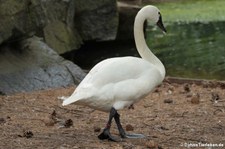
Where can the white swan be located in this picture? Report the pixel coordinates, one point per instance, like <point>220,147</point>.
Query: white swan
<point>116,83</point>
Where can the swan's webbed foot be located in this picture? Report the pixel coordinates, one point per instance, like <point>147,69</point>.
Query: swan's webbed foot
<point>123,134</point>
<point>134,136</point>
<point>107,135</point>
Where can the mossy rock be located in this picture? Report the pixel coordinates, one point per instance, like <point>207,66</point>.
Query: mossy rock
<point>61,38</point>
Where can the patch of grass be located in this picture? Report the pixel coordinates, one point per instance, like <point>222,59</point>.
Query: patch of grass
<point>192,11</point>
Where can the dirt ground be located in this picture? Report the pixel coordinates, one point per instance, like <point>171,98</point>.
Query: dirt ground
<point>175,115</point>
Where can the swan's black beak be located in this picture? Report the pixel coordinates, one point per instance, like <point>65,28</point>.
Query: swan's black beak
<point>160,24</point>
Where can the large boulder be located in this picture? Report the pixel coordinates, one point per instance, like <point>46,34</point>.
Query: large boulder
<point>51,19</point>
<point>29,64</point>
<point>96,20</point>
<point>64,24</point>
<point>35,66</point>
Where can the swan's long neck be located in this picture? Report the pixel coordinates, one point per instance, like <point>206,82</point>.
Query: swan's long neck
<point>141,45</point>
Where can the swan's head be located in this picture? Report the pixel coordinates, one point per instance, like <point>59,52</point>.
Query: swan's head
<point>153,14</point>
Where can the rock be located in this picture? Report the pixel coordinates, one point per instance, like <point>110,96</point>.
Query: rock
<point>68,123</point>
<point>49,122</point>
<point>63,24</point>
<point>187,88</point>
<point>2,120</point>
<point>168,101</point>
<point>97,129</point>
<point>96,20</point>
<point>195,99</point>
<point>35,66</point>
<point>151,144</point>
<point>215,97</point>
<point>53,20</point>
<point>129,127</point>
<point>189,95</point>
<point>61,38</point>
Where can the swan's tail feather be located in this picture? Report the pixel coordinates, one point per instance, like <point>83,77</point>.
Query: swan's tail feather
<point>74,98</point>
<point>70,100</point>
<point>67,102</point>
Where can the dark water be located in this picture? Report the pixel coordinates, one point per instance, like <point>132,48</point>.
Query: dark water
<point>194,50</point>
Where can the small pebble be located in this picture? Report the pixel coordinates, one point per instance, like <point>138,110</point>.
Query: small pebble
<point>2,120</point>
<point>49,122</point>
<point>187,88</point>
<point>169,91</point>
<point>189,95</point>
<point>97,129</point>
<point>215,97</point>
<point>152,145</point>
<point>129,127</point>
<point>68,123</point>
<point>195,99</point>
<point>168,101</point>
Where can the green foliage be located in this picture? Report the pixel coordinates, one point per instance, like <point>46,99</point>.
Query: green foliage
<point>194,50</point>
<point>193,10</point>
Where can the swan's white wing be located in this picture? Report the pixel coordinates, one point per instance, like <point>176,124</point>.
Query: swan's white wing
<point>116,82</point>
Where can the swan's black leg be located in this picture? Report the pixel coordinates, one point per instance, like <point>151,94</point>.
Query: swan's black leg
<point>106,132</point>
<point>121,130</point>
